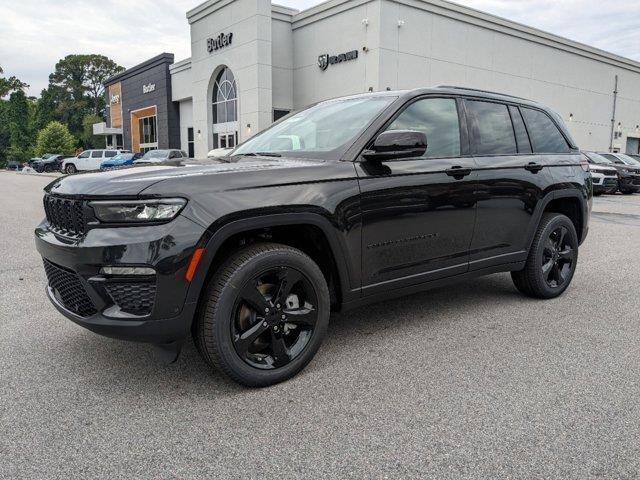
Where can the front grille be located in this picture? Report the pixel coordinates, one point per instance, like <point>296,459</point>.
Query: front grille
<point>65,215</point>
<point>68,290</point>
<point>610,182</point>
<point>136,298</point>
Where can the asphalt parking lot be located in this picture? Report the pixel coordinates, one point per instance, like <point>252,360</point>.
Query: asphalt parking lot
<point>468,381</point>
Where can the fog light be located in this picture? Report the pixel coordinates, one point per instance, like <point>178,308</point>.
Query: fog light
<point>127,271</point>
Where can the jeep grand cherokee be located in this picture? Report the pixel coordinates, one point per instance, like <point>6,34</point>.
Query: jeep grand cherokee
<point>350,201</point>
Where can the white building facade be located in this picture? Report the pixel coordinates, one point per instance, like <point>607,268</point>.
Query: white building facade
<point>252,62</point>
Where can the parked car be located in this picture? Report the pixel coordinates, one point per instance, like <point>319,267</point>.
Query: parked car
<point>628,171</point>
<point>88,160</point>
<point>603,174</point>
<point>385,194</point>
<point>219,153</point>
<point>162,157</point>
<point>46,156</point>
<point>14,165</point>
<point>50,164</point>
<point>120,160</point>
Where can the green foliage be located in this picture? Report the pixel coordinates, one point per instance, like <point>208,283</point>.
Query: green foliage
<point>82,77</point>
<point>75,96</point>
<point>9,85</point>
<point>18,122</point>
<point>55,138</point>
<point>88,139</point>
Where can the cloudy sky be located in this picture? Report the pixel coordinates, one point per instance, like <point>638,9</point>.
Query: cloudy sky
<point>34,34</point>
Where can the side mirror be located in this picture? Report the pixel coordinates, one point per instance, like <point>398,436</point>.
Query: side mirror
<point>394,144</point>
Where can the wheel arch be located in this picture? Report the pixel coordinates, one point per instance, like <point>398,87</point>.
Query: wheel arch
<point>227,235</point>
<point>568,202</point>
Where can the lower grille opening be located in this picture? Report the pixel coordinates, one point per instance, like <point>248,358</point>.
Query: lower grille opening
<point>68,290</point>
<point>136,298</point>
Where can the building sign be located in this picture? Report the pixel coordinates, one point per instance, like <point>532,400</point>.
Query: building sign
<point>216,43</point>
<point>114,99</point>
<point>325,60</point>
<point>148,88</point>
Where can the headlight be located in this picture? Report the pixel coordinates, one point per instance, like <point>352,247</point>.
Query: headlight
<point>134,211</point>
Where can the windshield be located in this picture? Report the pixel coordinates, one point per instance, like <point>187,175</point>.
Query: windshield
<point>156,154</point>
<point>628,160</point>
<point>323,131</point>
<point>596,158</point>
<point>123,156</point>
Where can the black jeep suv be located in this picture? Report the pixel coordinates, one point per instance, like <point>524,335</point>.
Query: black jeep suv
<point>347,202</point>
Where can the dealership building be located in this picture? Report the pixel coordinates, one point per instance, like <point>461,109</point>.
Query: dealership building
<point>253,61</point>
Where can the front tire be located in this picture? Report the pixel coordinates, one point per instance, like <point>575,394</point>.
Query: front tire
<point>552,259</point>
<point>70,169</point>
<point>264,316</point>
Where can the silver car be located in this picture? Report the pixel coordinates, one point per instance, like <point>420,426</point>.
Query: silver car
<point>162,157</point>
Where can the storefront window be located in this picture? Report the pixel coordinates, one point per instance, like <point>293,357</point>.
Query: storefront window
<point>148,133</point>
<point>225,110</point>
<point>225,98</point>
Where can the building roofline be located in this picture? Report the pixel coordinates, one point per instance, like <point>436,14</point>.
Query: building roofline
<point>141,67</point>
<point>180,66</point>
<point>479,18</point>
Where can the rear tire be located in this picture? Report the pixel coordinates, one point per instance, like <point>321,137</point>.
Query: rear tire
<point>264,315</point>
<point>48,168</point>
<point>70,169</point>
<point>552,258</point>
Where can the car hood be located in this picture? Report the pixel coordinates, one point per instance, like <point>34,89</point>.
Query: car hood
<point>132,181</point>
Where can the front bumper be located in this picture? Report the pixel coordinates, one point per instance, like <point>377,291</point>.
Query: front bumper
<point>630,183</point>
<point>604,184</point>
<point>113,305</point>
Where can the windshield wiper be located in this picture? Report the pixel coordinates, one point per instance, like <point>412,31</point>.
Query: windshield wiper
<point>261,154</point>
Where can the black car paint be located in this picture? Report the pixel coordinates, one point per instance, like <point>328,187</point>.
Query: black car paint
<point>393,227</point>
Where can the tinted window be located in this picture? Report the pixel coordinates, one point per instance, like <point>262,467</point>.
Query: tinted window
<point>96,154</point>
<point>110,153</point>
<point>613,158</point>
<point>438,119</point>
<point>493,132</point>
<point>522,139</point>
<point>545,136</point>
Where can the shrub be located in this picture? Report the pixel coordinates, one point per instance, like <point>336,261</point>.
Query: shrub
<point>55,138</point>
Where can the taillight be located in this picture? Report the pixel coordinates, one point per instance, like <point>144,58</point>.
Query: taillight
<point>584,163</point>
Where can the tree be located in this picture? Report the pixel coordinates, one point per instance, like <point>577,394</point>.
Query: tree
<point>17,116</point>
<point>89,140</point>
<point>82,77</point>
<point>11,84</point>
<point>55,138</point>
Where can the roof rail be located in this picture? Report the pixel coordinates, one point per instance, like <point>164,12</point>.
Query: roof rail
<point>481,91</point>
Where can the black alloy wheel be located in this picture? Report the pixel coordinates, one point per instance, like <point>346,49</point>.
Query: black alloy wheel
<point>558,257</point>
<point>552,259</point>
<point>263,315</point>
<point>274,318</point>
<point>48,168</point>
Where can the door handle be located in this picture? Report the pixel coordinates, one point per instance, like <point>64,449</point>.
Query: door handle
<point>457,172</point>
<point>533,167</point>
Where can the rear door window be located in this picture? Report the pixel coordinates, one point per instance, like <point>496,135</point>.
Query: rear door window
<point>492,129</point>
<point>96,154</point>
<point>545,136</point>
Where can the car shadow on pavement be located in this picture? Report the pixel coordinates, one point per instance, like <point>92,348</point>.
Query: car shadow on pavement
<point>129,365</point>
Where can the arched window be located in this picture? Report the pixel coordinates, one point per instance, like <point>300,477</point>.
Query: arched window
<point>225,98</point>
